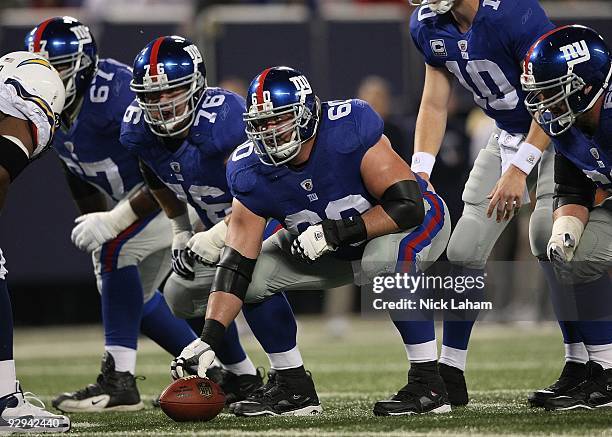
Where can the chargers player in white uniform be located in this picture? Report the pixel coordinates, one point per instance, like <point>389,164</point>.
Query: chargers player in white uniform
<point>327,173</point>
<point>31,99</point>
<point>482,43</point>
<point>131,257</point>
<point>567,73</point>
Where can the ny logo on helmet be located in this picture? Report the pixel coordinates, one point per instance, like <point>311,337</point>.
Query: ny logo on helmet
<point>82,34</point>
<point>302,85</point>
<point>576,53</point>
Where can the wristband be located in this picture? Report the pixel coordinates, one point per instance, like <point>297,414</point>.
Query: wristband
<point>213,333</point>
<point>422,162</point>
<point>122,215</point>
<point>181,223</point>
<point>526,157</point>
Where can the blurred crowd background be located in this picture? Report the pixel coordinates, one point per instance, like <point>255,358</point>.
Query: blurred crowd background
<point>359,48</point>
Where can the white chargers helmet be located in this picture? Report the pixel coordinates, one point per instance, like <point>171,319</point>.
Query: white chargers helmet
<point>438,6</point>
<point>30,88</point>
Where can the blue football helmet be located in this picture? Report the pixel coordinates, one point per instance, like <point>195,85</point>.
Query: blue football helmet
<point>437,6</point>
<point>169,64</point>
<point>71,48</point>
<point>282,114</point>
<point>565,72</point>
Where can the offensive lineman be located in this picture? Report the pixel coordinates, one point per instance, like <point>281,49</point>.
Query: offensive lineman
<point>131,256</point>
<point>184,132</point>
<point>482,43</point>
<point>329,175</point>
<point>31,99</point>
<point>567,73</point>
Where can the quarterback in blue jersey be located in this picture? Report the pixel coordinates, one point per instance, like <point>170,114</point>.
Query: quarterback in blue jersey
<point>184,132</point>
<point>482,43</point>
<point>31,100</point>
<point>567,74</point>
<point>326,172</point>
<point>131,256</point>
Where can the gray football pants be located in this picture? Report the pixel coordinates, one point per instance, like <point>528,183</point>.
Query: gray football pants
<point>475,234</point>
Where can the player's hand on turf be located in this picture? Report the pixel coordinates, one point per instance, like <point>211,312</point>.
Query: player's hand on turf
<point>196,358</point>
<point>93,230</point>
<point>507,194</point>
<point>182,262</point>
<point>310,244</point>
<point>205,247</point>
<point>561,247</point>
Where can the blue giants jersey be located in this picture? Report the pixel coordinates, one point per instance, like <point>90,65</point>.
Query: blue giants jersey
<point>91,147</point>
<point>329,185</point>
<point>486,59</point>
<point>592,155</point>
<point>196,170</point>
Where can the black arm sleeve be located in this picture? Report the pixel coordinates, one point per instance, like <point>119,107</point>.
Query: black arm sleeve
<point>572,186</point>
<point>78,187</point>
<point>12,158</point>
<point>150,178</point>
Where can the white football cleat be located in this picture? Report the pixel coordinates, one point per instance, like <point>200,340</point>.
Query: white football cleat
<point>18,415</point>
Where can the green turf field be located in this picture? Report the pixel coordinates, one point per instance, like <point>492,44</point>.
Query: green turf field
<point>505,363</point>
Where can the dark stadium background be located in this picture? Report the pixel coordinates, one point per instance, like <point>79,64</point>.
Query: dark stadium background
<point>336,46</point>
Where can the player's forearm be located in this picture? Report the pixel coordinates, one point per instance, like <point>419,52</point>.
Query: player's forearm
<point>377,222</point>
<point>578,211</point>
<point>143,203</point>
<point>95,202</point>
<point>168,201</point>
<point>430,127</point>
<point>5,182</point>
<point>530,150</point>
<point>223,307</point>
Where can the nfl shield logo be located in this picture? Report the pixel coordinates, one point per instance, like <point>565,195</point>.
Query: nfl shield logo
<point>463,45</point>
<point>176,167</point>
<point>306,184</point>
<point>205,389</point>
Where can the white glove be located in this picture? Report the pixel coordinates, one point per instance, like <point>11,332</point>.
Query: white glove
<point>566,233</point>
<point>206,246</point>
<point>195,359</point>
<point>95,229</point>
<point>310,244</point>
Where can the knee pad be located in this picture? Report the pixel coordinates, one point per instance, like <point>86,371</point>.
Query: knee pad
<point>540,227</point>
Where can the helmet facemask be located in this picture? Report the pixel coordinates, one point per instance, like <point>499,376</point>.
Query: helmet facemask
<point>175,116</point>
<point>437,6</point>
<point>281,142</point>
<point>69,68</point>
<point>555,104</point>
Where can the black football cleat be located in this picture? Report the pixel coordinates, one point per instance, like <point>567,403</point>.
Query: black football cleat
<point>257,394</point>
<point>594,392</point>
<point>454,381</point>
<point>424,393</point>
<point>288,393</point>
<point>238,387</point>
<point>571,376</point>
<point>113,391</point>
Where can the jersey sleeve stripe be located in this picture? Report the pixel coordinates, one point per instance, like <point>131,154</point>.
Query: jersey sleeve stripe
<point>153,58</point>
<point>262,79</point>
<point>39,32</point>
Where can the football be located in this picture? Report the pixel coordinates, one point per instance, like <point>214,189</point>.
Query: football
<point>192,399</point>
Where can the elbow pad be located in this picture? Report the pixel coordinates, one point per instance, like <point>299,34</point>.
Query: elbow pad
<point>234,273</point>
<point>403,202</point>
<point>573,195</point>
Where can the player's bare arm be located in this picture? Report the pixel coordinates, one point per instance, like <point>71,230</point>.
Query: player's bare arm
<point>232,278</point>
<point>574,196</point>
<point>507,194</point>
<point>382,169</point>
<point>431,121</point>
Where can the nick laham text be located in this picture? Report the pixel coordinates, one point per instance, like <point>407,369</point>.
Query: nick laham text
<point>431,304</point>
